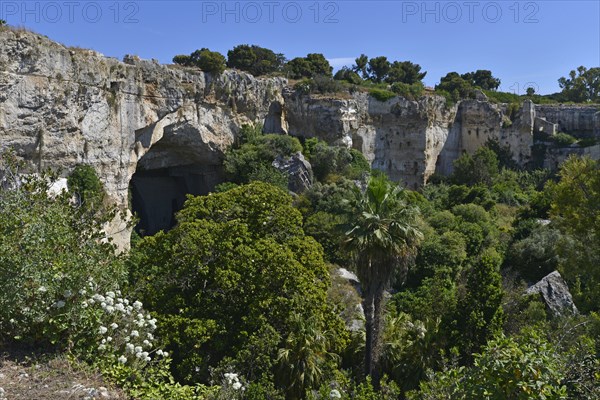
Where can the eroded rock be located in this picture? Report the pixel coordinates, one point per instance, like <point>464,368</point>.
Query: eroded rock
<point>554,292</point>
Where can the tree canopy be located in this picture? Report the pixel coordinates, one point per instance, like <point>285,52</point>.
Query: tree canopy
<point>206,60</point>
<point>581,85</point>
<point>255,59</point>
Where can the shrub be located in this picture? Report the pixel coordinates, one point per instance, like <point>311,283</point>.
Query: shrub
<point>411,92</point>
<point>253,159</point>
<point>84,183</point>
<point>562,139</point>
<point>382,94</point>
<point>49,248</point>
<point>587,142</point>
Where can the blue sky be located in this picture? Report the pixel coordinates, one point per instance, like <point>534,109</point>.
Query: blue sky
<point>524,43</point>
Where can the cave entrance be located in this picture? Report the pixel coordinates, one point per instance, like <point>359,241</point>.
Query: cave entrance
<point>157,194</point>
<point>178,164</point>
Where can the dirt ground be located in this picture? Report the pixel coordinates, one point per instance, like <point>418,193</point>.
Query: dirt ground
<point>30,377</point>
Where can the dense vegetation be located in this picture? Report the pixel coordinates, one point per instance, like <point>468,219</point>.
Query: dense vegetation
<point>243,297</point>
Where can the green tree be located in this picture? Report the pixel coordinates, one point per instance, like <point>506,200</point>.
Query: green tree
<point>581,85</point>
<point>299,67</point>
<point>480,310</point>
<point>378,68</point>
<point>361,66</point>
<point>209,61</point>
<point>348,75</point>
<point>575,210</point>
<point>85,184</point>
<point>236,262</point>
<point>482,167</point>
<point>253,159</point>
<point>182,59</point>
<point>2,22</point>
<point>383,235</point>
<point>308,67</point>
<point>305,358</point>
<point>254,59</point>
<point>405,72</point>
<point>455,85</point>
<point>482,78</point>
<point>206,60</point>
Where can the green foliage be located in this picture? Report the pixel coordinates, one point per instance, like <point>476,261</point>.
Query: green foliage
<point>535,256</point>
<point>502,97</point>
<point>382,94</point>
<point>206,60</point>
<point>482,167</point>
<point>84,183</point>
<point>480,312</point>
<point>409,91</point>
<point>405,72</point>
<point>2,23</point>
<point>383,235</point>
<point>320,84</point>
<point>305,357</point>
<point>530,91</point>
<point>236,263</point>
<point>378,68</point>
<point>482,78</point>
<point>459,87</point>
<point>562,139</point>
<point>252,160</point>
<point>308,67</point>
<point>408,349</point>
<point>361,66</point>
<point>575,200</point>
<point>348,75</point>
<point>506,369</point>
<point>455,87</point>
<point>49,249</point>
<point>335,160</point>
<point>582,85</point>
<point>503,154</point>
<point>254,59</point>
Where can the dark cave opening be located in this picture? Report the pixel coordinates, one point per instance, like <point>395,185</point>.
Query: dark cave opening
<point>157,194</point>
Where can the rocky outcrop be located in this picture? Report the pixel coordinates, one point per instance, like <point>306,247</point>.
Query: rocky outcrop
<point>554,291</point>
<point>399,136</point>
<point>61,106</point>
<point>298,171</point>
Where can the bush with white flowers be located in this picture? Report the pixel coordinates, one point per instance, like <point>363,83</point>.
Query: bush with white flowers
<point>48,249</point>
<point>119,328</point>
<point>232,388</point>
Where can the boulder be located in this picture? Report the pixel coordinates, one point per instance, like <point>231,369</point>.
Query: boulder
<point>298,170</point>
<point>554,292</point>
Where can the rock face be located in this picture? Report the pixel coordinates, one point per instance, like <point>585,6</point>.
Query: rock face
<point>555,293</point>
<point>298,170</point>
<point>155,133</point>
<point>61,106</point>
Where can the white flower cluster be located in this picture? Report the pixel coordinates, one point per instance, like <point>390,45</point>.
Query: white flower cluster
<point>335,394</point>
<point>234,381</point>
<point>125,330</point>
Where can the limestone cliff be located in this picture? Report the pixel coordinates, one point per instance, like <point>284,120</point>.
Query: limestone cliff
<point>156,132</point>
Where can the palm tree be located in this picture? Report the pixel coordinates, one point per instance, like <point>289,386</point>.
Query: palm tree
<point>305,357</point>
<point>383,236</point>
